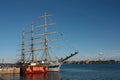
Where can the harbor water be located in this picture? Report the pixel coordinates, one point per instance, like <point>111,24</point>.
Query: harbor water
<point>73,72</point>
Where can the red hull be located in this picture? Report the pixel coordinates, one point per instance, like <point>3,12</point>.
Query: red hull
<point>36,69</point>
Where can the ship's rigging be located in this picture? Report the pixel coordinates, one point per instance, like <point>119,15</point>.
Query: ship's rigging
<point>39,41</point>
<point>34,36</point>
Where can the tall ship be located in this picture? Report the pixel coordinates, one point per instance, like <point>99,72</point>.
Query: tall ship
<point>38,41</point>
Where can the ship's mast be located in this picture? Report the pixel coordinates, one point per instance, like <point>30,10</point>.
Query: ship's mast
<point>23,47</point>
<point>46,35</point>
<point>32,40</point>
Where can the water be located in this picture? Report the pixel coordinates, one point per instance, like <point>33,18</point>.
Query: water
<point>74,72</point>
<point>91,72</point>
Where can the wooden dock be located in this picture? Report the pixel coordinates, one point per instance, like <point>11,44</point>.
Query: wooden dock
<point>9,70</point>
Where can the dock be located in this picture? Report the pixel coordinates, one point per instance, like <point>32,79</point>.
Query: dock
<point>9,69</point>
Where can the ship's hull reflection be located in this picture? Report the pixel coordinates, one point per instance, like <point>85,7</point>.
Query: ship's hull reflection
<point>42,76</point>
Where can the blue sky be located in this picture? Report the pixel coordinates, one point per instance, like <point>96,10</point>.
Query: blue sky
<point>91,26</point>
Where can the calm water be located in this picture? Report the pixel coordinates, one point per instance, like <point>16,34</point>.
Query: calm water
<point>74,72</point>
